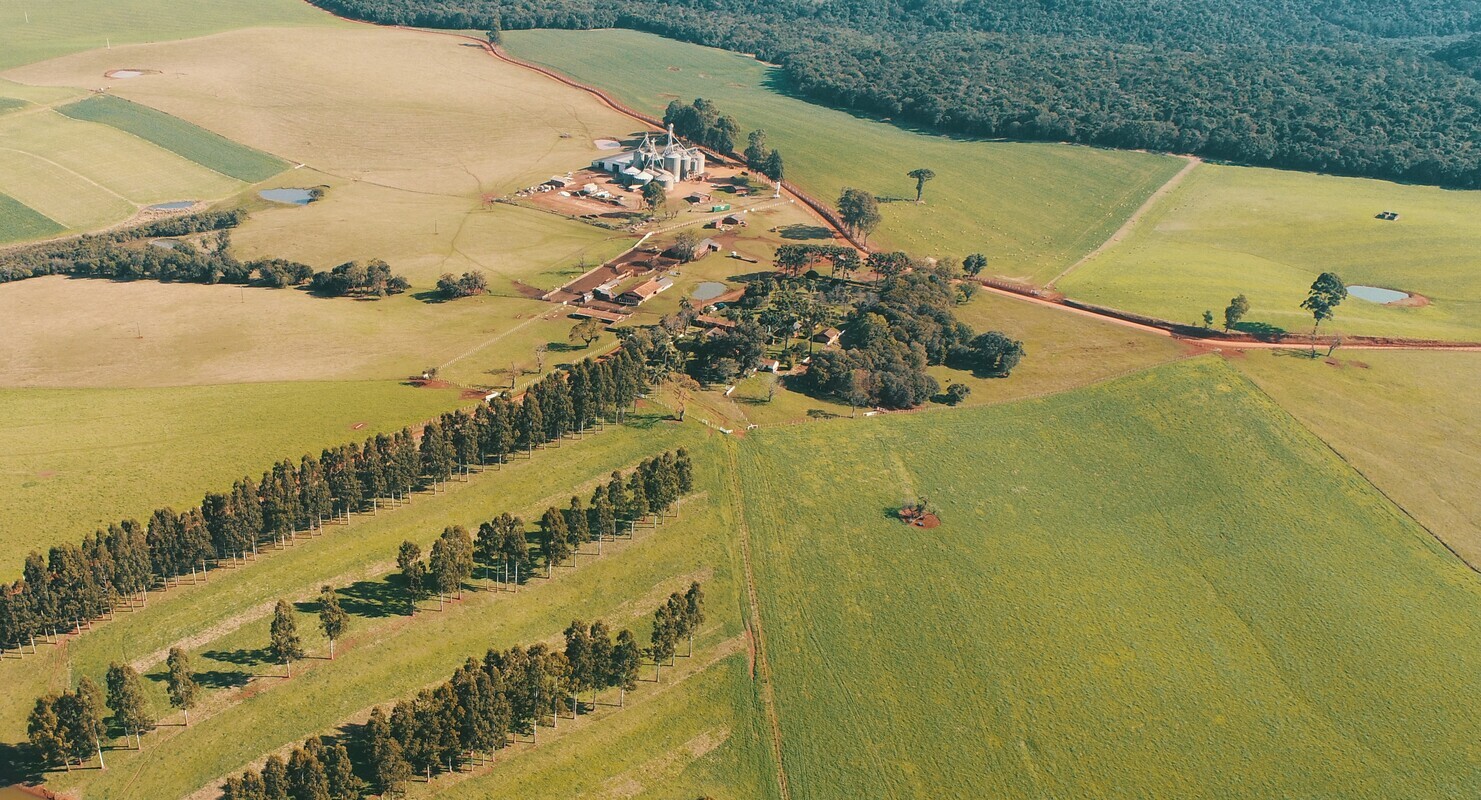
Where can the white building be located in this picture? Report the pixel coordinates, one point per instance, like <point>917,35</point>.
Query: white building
<point>647,163</point>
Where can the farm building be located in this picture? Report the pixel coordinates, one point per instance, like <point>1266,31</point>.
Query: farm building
<point>647,163</point>
<point>709,321</point>
<point>644,291</point>
<point>827,336</point>
<point>734,221</point>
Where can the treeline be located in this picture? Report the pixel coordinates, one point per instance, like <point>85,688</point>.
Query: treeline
<point>74,584</point>
<point>889,342</point>
<point>502,544</point>
<point>1345,86</point>
<point>123,255</point>
<point>475,713</point>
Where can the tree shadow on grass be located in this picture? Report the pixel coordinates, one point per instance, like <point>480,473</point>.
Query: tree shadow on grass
<point>244,657</point>
<point>804,232</point>
<point>18,764</point>
<point>373,599</point>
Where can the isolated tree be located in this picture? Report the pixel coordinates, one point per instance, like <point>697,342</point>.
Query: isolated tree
<point>128,703</point>
<point>1235,311</point>
<point>653,195</point>
<point>332,618</point>
<point>974,264</point>
<point>586,331</point>
<point>773,168</point>
<point>184,691</point>
<point>1208,319</point>
<point>283,641</point>
<point>921,176</point>
<point>1327,292</point>
<point>413,571</point>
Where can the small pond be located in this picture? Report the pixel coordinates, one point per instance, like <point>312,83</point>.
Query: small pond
<point>1375,294</point>
<point>168,244</point>
<point>125,73</point>
<point>176,205</point>
<point>294,197</point>
<point>607,144</point>
<point>709,290</point>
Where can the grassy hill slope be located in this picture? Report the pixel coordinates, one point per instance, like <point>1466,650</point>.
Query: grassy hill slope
<point>1161,586</point>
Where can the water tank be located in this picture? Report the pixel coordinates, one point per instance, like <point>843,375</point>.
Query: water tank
<point>673,163</point>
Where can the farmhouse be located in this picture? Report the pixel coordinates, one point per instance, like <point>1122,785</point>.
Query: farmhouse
<point>644,291</point>
<point>828,336</point>
<point>641,166</point>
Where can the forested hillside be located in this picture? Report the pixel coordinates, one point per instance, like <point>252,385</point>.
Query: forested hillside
<point>1359,87</point>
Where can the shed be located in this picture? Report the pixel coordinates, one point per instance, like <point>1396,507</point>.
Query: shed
<point>827,336</point>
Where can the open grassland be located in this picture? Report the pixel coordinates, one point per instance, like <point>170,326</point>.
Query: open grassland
<point>19,221</point>
<point>423,236</point>
<point>1163,586</point>
<point>1032,209</point>
<point>1267,234</point>
<point>1406,420</point>
<point>65,332</point>
<point>84,175</point>
<point>72,460</point>
<point>211,151</point>
<point>698,730</point>
<point>32,32</point>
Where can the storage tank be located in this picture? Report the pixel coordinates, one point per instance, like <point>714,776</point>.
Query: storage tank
<point>673,162</point>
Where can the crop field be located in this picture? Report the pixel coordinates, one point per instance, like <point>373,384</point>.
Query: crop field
<point>1159,586</point>
<point>10,104</point>
<point>1268,234</point>
<point>19,221</point>
<point>1032,209</point>
<point>211,151</point>
<point>1401,419</point>
<point>408,132</point>
<point>74,459</point>
<point>697,723</point>
<point>31,32</point>
<point>84,175</point>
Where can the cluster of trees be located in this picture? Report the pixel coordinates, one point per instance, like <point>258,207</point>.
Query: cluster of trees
<point>74,584</point>
<point>502,544</point>
<point>123,255</point>
<point>355,279</point>
<point>1347,86</point>
<point>702,123</point>
<point>69,727</point>
<point>890,340</point>
<point>314,771</point>
<point>467,285</point>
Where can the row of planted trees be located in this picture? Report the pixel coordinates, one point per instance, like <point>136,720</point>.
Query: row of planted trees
<point>478,712</point>
<point>74,584</point>
<point>501,547</point>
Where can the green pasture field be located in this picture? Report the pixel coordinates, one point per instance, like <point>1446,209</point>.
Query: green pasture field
<point>709,738</point>
<point>1400,418</point>
<point>1161,586</point>
<point>85,175</point>
<point>19,221</point>
<point>31,32</point>
<point>74,459</point>
<point>1033,209</point>
<point>214,152</point>
<point>1268,234</point>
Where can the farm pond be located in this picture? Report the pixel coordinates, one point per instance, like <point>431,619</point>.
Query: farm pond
<point>709,290</point>
<point>293,197</point>
<point>1377,294</point>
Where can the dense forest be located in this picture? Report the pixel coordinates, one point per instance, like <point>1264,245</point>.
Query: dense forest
<point>1359,87</point>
